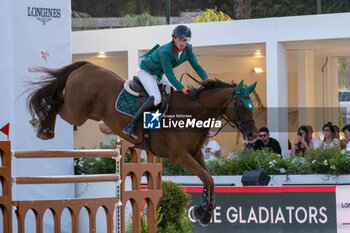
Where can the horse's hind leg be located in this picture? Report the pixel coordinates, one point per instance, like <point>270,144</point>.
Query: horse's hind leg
<point>46,126</point>
<point>204,210</point>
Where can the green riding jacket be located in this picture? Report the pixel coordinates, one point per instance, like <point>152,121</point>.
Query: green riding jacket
<point>162,59</point>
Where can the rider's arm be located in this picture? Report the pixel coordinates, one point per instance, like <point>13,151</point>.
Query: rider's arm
<point>195,65</point>
<point>168,70</point>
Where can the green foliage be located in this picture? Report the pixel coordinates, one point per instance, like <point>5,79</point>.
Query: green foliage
<point>273,8</point>
<point>324,161</point>
<point>211,15</point>
<point>171,211</point>
<point>328,161</point>
<point>144,222</point>
<point>78,15</point>
<point>342,71</point>
<point>105,165</point>
<point>86,18</point>
<point>141,20</point>
<point>173,206</point>
<point>170,169</point>
<point>259,8</point>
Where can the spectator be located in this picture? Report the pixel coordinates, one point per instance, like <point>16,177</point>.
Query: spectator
<point>337,132</point>
<point>329,139</point>
<point>266,141</point>
<point>302,142</point>
<point>315,141</point>
<point>249,144</point>
<point>345,142</point>
<point>211,149</point>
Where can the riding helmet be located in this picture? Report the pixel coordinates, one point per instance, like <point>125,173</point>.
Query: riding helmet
<point>183,32</point>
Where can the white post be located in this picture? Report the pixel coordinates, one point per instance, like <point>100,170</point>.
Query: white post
<point>331,86</point>
<point>306,88</point>
<point>133,62</point>
<point>276,92</point>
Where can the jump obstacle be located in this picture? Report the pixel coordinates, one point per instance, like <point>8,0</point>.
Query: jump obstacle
<point>152,169</point>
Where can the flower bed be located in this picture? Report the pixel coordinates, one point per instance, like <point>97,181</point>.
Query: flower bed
<point>331,161</point>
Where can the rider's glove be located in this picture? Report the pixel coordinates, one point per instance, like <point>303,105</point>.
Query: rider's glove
<point>191,93</point>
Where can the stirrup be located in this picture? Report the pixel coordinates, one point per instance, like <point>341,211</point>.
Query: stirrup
<point>130,132</point>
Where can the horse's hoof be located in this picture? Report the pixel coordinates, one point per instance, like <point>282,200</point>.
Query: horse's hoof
<point>45,136</point>
<point>205,219</point>
<point>193,215</point>
<point>197,212</point>
<point>34,122</point>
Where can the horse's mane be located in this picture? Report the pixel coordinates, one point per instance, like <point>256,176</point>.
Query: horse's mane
<point>215,83</point>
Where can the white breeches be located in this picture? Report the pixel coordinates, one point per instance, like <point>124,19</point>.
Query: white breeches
<point>150,83</point>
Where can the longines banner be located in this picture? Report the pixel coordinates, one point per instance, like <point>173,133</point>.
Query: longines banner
<point>42,39</point>
<point>343,208</point>
<point>36,35</point>
<point>272,209</point>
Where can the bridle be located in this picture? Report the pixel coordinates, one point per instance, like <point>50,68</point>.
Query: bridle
<point>233,97</point>
<point>238,124</point>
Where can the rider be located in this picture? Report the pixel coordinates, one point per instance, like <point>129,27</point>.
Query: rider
<point>157,67</point>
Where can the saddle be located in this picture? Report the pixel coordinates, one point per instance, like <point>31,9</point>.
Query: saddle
<point>135,88</point>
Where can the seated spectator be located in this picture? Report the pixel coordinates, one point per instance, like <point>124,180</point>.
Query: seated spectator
<point>329,139</point>
<point>337,132</point>
<point>265,140</point>
<point>315,141</point>
<point>345,142</point>
<point>211,149</point>
<point>250,144</point>
<point>302,142</point>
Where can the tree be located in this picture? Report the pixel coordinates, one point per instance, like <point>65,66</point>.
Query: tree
<point>211,15</point>
<point>242,9</point>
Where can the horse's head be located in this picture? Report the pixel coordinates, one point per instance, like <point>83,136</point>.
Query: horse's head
<point>242,112</point>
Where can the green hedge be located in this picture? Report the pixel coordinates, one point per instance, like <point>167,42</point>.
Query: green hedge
<point>323,161</point>
<point>173,207</point>
<point>319,161</point>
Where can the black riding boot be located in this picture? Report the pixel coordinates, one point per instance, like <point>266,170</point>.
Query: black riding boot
<point>129,130</point>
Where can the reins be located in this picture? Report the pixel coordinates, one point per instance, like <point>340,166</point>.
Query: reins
<point>190,76</point>
<point>232,97</point>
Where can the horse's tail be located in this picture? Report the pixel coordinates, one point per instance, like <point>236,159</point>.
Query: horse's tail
<point>45,101</point>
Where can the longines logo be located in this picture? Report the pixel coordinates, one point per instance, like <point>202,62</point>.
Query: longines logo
<point>44,15</point>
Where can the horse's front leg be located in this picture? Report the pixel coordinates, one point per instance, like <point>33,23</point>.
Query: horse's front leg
<point>204,210</point>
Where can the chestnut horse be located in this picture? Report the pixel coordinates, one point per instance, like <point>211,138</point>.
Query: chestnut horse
<point>82,91</point>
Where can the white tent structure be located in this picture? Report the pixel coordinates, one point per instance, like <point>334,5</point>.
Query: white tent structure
<point>298,56</point>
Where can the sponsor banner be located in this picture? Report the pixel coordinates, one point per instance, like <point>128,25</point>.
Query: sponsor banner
<point>343,208</point>
<point>6,66</point>
<point>37,36</point>
<point>270,209</point>
<point>42,39</point>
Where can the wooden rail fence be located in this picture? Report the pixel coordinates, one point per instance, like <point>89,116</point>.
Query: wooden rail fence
<point>152,170</point>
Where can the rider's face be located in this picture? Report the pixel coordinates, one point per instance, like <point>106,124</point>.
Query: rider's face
<point>180,43</point>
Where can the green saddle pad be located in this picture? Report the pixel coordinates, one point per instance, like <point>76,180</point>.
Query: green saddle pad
<point>126,103</point>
